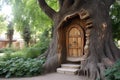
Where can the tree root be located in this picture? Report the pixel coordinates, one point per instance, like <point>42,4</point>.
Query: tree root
<point>93,71</point>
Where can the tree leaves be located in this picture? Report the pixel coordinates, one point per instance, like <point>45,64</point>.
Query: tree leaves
<point>28,12</point>
<point>3,25</point>
<point>115,16</point>
<point>20,67</point>
<point>113,73</point>
<point>53,4</point>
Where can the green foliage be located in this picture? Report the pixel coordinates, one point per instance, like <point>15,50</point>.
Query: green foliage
<point>32,52</point>
<point>44,42</point>
<point>10,32</point>
<point>53,4</point>
<point>27,35</point>
<point>28,52</point>
<point>115,16</point>
<point>113,73</point>
<point>3,24</point>
<point>24,53</point>
<point>20,67</point>
<point>28,11</point>
<point>7,50</point>
<point>38,48</point>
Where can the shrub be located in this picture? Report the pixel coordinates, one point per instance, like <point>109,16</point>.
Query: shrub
<point>113,73</point>
<point>7,50</point>
<point>21,67</point>
<point>28,52</point>
<point>42,44</point>
<point>32,52</point>
<point>7,56</point>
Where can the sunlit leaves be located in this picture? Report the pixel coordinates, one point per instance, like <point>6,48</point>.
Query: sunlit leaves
<point>29,11</point>
<point>3,23</point>
<point>53,4</point>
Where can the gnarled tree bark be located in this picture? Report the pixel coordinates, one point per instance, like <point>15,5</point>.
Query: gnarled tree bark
<point>100,51</point>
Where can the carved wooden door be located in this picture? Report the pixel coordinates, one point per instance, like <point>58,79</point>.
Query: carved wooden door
<point>75,42</point>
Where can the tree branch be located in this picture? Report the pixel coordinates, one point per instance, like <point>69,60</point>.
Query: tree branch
<point>48,10</point>
<point>109,2</point>
<point>65,4</point>
<point>78,3</point>
<point>68,3</point>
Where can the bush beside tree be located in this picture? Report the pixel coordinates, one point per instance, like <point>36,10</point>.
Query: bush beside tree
<point>113,73</point>
<point>21,67</point>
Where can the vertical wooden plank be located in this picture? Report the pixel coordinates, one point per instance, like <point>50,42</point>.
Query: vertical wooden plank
<point>79,42</point>
<point>70,52</point>
<point>75,42</point>
<point>80,52</point>
<point>74,53</point>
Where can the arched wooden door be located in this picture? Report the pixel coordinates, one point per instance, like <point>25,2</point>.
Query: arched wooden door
<point>75,43</point>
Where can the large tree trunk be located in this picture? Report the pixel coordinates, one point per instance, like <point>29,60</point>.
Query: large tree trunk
<point>100,51</point>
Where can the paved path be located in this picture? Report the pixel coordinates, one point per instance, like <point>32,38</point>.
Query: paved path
<point>52,76</point>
